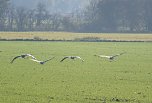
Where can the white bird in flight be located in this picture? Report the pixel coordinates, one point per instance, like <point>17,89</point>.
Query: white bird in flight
<point>23,56</point>
<point>72,57</point>
<point>112,57</point>
<point>41,62</point>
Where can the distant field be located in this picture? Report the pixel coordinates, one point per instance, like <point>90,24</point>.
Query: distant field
<point>128,79</point>
<point>74,36</point>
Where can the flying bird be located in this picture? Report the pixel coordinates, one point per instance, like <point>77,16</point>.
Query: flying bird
<point>72,57</point>
<point>41,62</point>
<point>23,56</point>
<point>112,57</point>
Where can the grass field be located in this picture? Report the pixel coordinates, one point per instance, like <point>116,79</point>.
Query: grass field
<point>74,36</point>
<point>128,79</point>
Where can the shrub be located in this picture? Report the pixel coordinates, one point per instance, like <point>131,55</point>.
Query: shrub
<point>37,38</point>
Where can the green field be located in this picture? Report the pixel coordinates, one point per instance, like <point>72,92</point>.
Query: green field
<point>128,79</point>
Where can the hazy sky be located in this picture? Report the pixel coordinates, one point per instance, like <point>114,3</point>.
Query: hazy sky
<point>53,5</point>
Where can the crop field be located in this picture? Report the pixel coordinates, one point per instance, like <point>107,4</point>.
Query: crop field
<point>74,36</point>
<point>127,79</point>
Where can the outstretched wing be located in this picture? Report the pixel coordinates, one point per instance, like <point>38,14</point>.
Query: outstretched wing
<point>118,54</point>
<point>64,58</point>
<point>97,55</point>
<point>15,58</point>
<point>115,55</point>
<point>36,60</point>
<point>48,60</point>
<point>79,58</point>
<point>29,55</point>
<point>122,53</point>
<point>104,56</point>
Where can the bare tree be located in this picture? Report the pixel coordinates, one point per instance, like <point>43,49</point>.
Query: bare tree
<point>21,17</point>
<point>31,20</point>
<point>40,15</point>
<point>56,21</point>
<point>11,18</point>
<point>3,8</point>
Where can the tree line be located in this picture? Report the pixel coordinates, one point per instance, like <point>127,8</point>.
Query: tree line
<point>98,16</point>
